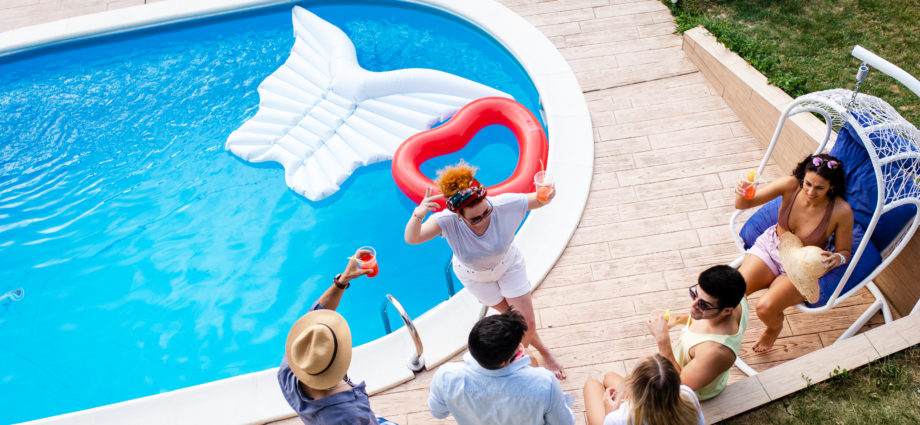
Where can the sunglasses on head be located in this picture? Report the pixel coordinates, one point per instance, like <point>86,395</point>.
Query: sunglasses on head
<point>818,161</point>
<point>479,218</point>
<point>704,305</point>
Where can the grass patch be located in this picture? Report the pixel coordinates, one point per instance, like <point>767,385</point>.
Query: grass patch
<point>804,46</point>
<point>886,391</point>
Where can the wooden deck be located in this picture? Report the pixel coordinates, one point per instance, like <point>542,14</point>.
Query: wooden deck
<point>667,152</point>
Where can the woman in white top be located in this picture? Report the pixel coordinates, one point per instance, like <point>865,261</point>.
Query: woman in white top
<point>480,231</point>
<point>651,395</point>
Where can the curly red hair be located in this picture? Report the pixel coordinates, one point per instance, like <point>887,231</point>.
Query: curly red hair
<point>454,178</point>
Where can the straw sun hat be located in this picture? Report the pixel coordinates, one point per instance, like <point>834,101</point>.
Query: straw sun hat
<point>803,264</point>
<point>318,348</point>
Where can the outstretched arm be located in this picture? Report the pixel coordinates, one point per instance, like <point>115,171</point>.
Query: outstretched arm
<point>331,298</point>
<point>765,193</point>
<point>418,230</point>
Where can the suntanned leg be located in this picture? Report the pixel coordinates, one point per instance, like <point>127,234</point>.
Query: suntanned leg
<point>594,402</point>
<point>770,306</point>
<point>524,305</point>
<point>756,274</point>
<point>501,307</point>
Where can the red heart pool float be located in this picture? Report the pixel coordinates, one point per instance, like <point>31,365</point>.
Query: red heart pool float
<point>457,132</point>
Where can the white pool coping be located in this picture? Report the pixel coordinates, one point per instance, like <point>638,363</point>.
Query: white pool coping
<point>255,398</point>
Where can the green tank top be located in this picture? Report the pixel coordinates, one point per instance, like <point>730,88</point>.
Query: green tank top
<point>689,339</point>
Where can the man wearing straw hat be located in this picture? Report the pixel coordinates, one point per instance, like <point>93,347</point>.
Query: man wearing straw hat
<point>317,355</point>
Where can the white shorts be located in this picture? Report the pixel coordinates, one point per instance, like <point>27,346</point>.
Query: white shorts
<point>508,279</point>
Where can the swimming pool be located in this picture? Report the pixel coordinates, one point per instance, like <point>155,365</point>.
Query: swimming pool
<point>154,259</point>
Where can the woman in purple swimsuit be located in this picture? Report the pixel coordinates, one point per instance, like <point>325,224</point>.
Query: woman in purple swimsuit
<point>813,209</point>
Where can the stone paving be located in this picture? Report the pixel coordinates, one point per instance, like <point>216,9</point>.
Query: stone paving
<point>667,152</point>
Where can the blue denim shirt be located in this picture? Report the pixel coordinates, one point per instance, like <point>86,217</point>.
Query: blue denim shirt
<point>346,407</point>
<point>513,395</point>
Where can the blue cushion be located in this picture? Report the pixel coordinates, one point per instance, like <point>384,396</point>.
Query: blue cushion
<point>862,191</point>
<point>870,259</point>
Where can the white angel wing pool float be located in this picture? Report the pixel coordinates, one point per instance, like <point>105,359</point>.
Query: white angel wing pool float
<point>322,116</point>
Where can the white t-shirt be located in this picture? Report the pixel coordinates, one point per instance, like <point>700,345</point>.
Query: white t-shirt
<point>621,415</point>
<point>484,252</point>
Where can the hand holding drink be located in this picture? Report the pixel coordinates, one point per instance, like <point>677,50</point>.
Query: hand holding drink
<point>367,259</point>
<point>747,185</point>
<point>545,185</point>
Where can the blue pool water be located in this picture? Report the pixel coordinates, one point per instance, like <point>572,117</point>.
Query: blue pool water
<point>150,258</point>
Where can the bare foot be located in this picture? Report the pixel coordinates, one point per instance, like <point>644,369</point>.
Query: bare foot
<point>553,365</point>
<point>766,340</point>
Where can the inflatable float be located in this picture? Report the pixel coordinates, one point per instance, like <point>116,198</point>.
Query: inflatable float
<point>322,116</point>
<point>456,133</point>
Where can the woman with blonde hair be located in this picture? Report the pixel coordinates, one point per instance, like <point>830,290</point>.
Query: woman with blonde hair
<point>651,395</point>
<point>480,230</point>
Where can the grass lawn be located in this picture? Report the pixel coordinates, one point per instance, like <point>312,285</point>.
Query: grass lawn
<point>803,46</point>
<point>886,391</point>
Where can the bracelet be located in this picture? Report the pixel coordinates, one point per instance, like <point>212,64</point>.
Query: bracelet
<point>422,218</point>
<point>843,260</point>
<point>343,287</point>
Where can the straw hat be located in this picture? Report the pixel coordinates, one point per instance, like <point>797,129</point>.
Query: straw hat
<point>803,264</point>
<point>318,348</point>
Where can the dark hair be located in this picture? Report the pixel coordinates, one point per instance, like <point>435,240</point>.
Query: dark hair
<point>724,283</point>
<point>836,176</point>
<point>494,339</point>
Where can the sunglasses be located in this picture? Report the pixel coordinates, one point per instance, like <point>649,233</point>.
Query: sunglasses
<point>704,305</point>
<point>818,161</point>
<point>479,218</point>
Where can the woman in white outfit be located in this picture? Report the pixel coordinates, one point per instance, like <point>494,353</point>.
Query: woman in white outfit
<point>651,395</point>
<point>480,231</point>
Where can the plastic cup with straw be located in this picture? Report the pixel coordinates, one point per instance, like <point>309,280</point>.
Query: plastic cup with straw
<point>544,183</point>
<point>367,259</point>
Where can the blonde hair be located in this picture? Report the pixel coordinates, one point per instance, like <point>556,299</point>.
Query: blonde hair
<point>454,178</point>
<point>655,395</point>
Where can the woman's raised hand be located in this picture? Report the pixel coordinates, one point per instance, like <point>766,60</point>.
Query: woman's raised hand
<point>740,186</point>
<point>428,204</point>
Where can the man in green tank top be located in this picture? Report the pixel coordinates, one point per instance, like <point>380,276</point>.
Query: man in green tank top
<point>708,345</point>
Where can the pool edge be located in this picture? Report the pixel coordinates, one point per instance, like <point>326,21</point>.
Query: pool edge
<point>255,397</point>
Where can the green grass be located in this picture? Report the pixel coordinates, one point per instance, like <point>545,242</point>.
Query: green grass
<point>886,391</point>
<point>803,46</point>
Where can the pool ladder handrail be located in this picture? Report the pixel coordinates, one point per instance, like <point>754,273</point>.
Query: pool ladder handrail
<point>417,361</point>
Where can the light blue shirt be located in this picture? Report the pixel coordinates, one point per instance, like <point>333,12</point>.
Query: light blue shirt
<point>513,395</point>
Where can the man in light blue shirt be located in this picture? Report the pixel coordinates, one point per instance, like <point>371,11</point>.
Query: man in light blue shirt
<point>495,384</point>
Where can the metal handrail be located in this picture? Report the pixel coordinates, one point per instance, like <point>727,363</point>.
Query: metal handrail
<point>417,361</point>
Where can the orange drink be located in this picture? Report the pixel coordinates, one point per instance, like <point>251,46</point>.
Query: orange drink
<point>749,185</point>
<point>544,184</point>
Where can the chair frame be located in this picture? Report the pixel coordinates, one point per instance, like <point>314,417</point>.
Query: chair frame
<point>831,104</point>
